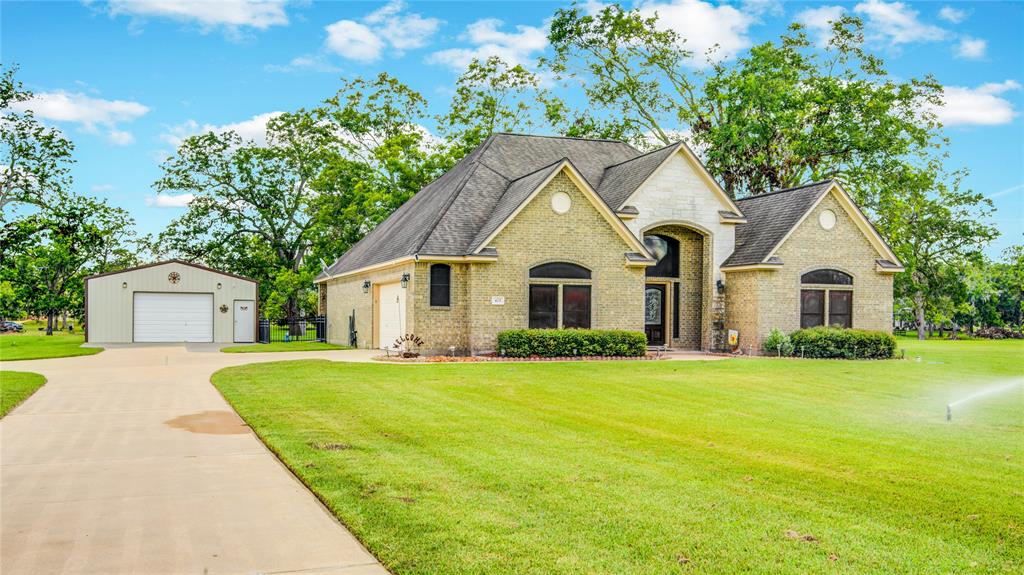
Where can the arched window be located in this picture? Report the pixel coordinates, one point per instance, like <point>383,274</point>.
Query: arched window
<point>560,270</point>
<point>440,285</point>
<point>832,306</point>
<point>558,302</point>
<point>666,252</point>
<point>834,277</point>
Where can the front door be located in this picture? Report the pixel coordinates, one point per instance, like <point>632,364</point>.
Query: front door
<point>654,314</point>
<point>245,320</point>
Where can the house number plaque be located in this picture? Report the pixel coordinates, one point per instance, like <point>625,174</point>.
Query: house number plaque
<point>497,300</point>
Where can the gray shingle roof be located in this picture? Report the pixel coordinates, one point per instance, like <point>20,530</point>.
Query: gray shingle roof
<point>769,218</point>
<point>449,215</point>
<point>621,180</point>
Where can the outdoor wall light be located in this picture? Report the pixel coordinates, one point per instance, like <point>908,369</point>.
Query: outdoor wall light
<point>720,285</point>
<point>405,281</point>
<point>219,286</point>
<point>366,286</point>
<point>124,285</point>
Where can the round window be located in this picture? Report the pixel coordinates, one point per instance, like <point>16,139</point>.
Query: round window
<point>827,219</point>
<point>561,202</point>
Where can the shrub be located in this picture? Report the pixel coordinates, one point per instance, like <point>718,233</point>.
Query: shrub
<point>998,333</point>
<point>571,343</point>
<point>778,343</point>
<point>832,342</point>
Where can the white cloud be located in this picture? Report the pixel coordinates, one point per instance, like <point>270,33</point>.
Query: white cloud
<point>254,129</point>
<point>981,106</point>
<point>897,22</point>
<point>950,14</point>
<point>487,39</point>
<point>704,25</point>
<point>170,201</point>
<point>88,112</point>
<point>120,137</point>
<point>971,48</point>
<point>305,63</point>
<point>762,7</point>
<point>402,32</point>
<point>388,26</point>
<point>818,21</point>
<point>232,15</point>
<point>1006,191</point>
<point>100,188</point>
<point>354,41</point>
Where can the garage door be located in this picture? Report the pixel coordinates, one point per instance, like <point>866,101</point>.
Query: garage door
<point>167,317</point>
<point>391,319</point>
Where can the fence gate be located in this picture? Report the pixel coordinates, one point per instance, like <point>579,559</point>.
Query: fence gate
<point>312,328</point>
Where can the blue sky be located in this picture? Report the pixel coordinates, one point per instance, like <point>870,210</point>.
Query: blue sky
<point>126,79</point>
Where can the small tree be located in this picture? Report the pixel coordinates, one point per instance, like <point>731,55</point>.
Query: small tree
<point>71,237</point>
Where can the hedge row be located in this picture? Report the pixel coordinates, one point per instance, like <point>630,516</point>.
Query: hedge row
<point>571,343</point>
<point>839,343</point>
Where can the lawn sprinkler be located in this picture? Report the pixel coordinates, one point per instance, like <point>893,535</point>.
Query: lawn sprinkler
<point>949,412</point>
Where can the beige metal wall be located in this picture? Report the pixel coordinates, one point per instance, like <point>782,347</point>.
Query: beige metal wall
<point>109,305</point>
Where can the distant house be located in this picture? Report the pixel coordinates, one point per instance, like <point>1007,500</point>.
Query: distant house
<point>548,232</point>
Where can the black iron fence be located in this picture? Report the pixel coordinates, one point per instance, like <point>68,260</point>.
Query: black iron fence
<point>312,328</point>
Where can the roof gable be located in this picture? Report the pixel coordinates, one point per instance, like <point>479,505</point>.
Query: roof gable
<point>773,217</point>
<point>447,216</point>
<point>524,190</point>
<point>168,262</point>
<point>633,174</point>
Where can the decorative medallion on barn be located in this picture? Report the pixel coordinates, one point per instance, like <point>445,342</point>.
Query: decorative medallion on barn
<point>174,277</point>
<point>224,308</point>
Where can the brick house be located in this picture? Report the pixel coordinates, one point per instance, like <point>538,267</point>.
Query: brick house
<point>548,232</point>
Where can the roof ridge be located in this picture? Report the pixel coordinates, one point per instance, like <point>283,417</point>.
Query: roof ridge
<point>540,169</point>
<point>499,174</point>
<point>793,189</point>
<point>645,154</point>
<point>458,191</point>
<point>522,135</point>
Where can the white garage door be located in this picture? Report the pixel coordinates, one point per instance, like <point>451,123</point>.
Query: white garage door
<point>391,320</point>
<point>165,317</point>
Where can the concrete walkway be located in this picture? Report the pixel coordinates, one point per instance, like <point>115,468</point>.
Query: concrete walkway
<point>130,461</point>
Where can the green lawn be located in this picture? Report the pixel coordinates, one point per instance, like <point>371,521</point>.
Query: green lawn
<point>283,346</point>
<point>16,347</point>
<point>747,465</point>
<point>16,386</point>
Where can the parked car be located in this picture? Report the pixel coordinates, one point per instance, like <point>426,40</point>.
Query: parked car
<point>6,326</point>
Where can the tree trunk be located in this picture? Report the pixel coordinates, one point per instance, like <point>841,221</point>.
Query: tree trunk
<point>50,319</point>
<point>293,315</point>
<point>919,312</point>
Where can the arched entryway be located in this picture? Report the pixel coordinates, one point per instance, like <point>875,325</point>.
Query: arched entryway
<point>676,311</point>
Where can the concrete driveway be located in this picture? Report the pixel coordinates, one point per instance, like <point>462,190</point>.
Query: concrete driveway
<point>130,461</point>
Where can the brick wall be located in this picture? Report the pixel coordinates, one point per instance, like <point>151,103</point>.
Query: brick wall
<point>441,327</point>
<point>539,235</point>
<point>345,295</point>
<point>677,193</point>
<point>694,282</point>
<point>776,296</point>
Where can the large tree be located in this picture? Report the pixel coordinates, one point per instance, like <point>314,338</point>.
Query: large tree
<point>791,112</point>
<point>787,113</point>
<point>33,158</point>
<point>383,156</point>
<point>494,96</point>
<point>632,72</point>
<point>251,212</point>
<point>935,227</point>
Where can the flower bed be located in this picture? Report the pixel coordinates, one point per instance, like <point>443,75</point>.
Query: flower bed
<point>498,358</point>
